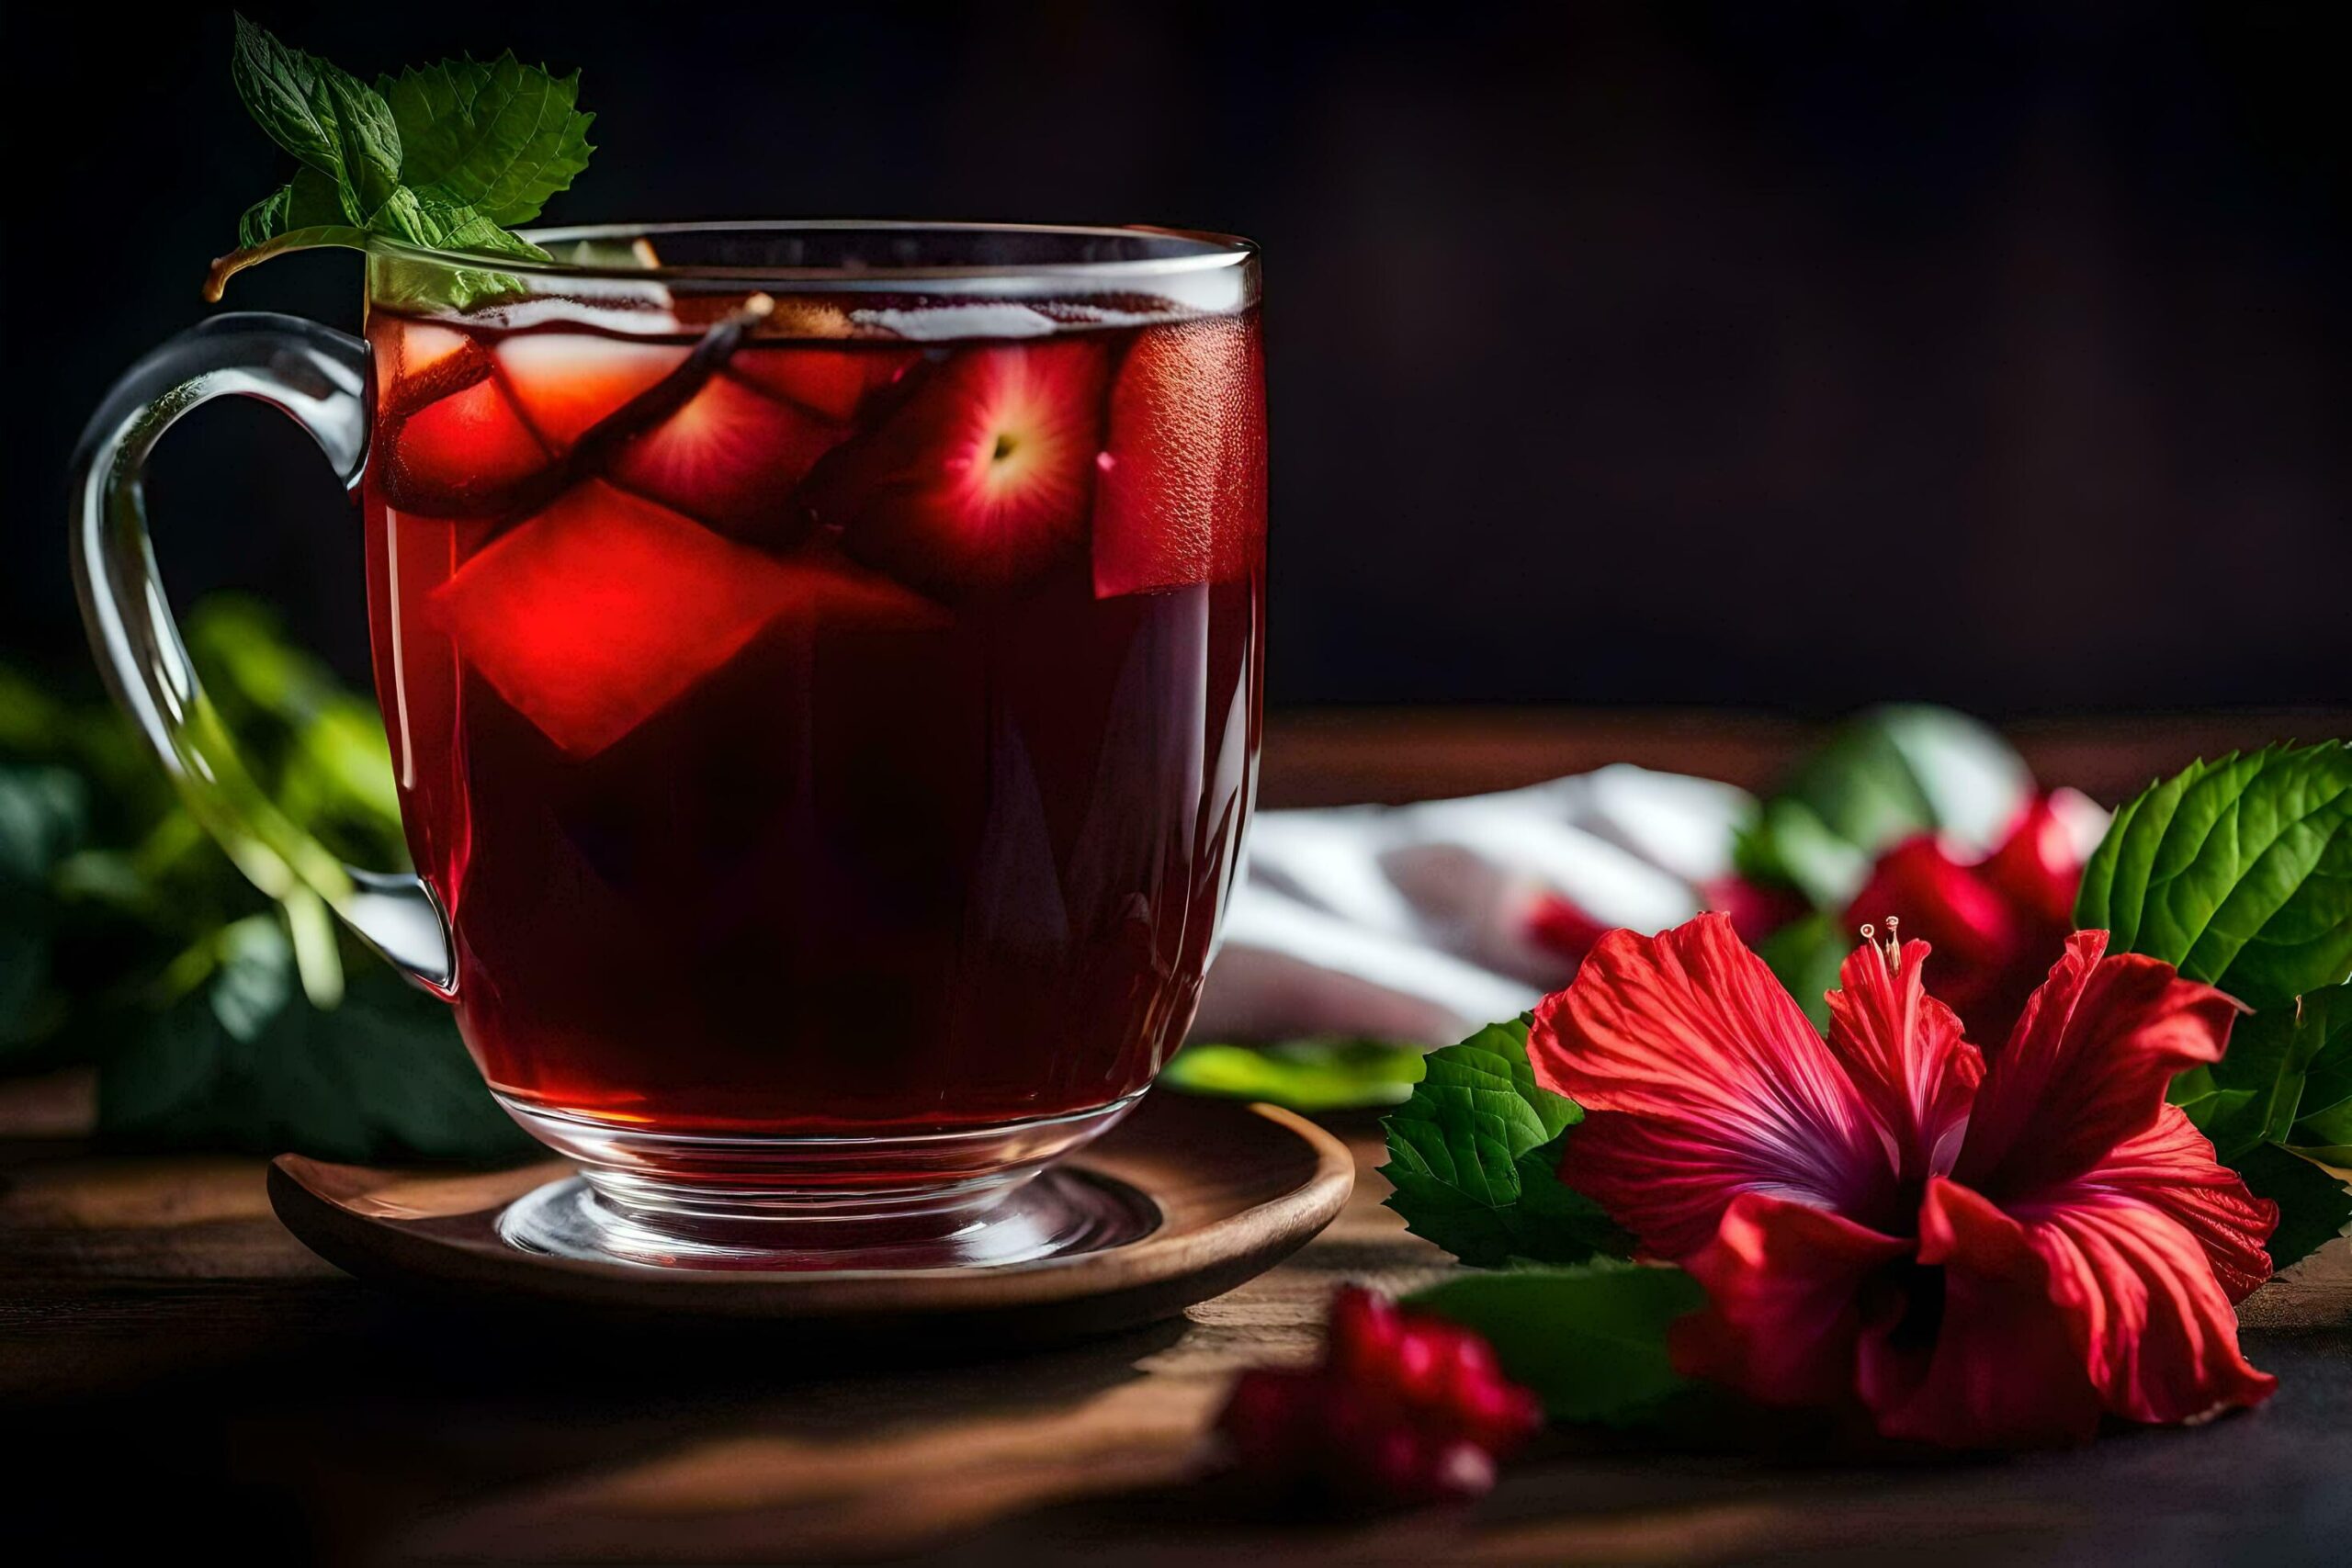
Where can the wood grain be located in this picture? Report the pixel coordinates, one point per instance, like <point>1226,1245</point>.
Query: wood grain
<point>161,1334</point>
<point>1341,756</point>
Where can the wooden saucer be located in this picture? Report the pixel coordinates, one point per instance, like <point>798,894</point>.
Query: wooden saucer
<point>1238,1189</point>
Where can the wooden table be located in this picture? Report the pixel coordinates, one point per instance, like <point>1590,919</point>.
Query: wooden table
<point>178,1372</point>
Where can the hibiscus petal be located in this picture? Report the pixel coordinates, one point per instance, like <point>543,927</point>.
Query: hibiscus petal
<point>2131,1253</point>
<point>1987,954</point>
<point>1974,1353</point>
<point>1784,1282</point>
<point>2086,1067</point>
<point>2172,1166</point>
<point>1941,901</point>
<point>1903,1051</point>
<point>1701,1080</point>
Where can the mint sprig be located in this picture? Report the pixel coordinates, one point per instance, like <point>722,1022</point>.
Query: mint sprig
<point>449,156</point>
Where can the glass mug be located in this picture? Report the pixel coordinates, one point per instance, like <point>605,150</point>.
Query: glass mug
<point>822,671</point>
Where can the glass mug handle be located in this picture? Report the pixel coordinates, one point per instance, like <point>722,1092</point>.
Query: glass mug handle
<point>318,378</point>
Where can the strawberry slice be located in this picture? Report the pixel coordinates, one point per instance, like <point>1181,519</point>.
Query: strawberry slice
<point>730,456</point>
<point>564,382</point>
<point>980,481</point>
<point>603,609</point>
<point>833,382</point>
<point>1182,493</point>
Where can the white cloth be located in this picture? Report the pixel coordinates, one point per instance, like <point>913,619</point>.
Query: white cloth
<point>1411,922</point>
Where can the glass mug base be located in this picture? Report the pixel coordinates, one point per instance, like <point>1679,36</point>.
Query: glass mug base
<point>966,1199</point>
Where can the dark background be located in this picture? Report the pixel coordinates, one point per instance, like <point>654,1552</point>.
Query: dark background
<point>1781,355</point>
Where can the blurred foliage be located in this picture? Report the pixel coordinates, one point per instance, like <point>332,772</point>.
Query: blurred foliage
<point>1880,777</point>
<point>1304,1074</point>
<point>129,942</point>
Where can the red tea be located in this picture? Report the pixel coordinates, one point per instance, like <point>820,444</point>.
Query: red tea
<point>816,737</point>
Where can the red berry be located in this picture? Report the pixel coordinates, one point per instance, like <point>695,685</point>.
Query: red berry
<point>1417,1362</point>
<point>1261,1418</point>
<point>1406,1407</point>
<point>1362,1334</point>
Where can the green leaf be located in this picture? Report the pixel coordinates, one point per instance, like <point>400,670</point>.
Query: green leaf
<point>499,139</point>
<point>2315,1203</point>
<point>1591,1340</point>
<point>243,1061</point>
<point>271,215</point>
<point>447,157</point>
<point>2259,1092</point>
<point>1554,1222</point>
<point>1473,1158</point>
<point>2323,1127</point>
<point>1789,844</point>
<point>446,226</point>
<point>428,221</point>
<point>1881,777</point>
<point>44,813</point>
<point>1305,1075</point>
<point>329,121</point>
<point>309,201</point>
<point>2238,873</point>
<point>325,237</point>
<point>1804,955</point>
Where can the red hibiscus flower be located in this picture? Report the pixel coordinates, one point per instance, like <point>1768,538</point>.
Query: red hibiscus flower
<point>1996,926</point>
<point>1971,1255</point>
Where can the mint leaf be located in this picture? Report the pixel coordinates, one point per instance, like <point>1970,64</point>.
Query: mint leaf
<point>447,157</point>
<point>1473,1158</point>
<point>500,138</point>
<point>329,121</point>
<point>1881,777</point>
<point>2238,873</point>
<point>1591,1340</point>
<point>1312,1075</point>
<point>309,201</point>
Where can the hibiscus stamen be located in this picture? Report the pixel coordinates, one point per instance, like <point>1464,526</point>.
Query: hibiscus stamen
<point>1891,951</point>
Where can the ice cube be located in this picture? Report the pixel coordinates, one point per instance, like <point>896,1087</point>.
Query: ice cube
<point>938,323</point>
<point>465,454</point>
<point>565,382</point>
<point>603,609</point>
<point>832,382</point>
